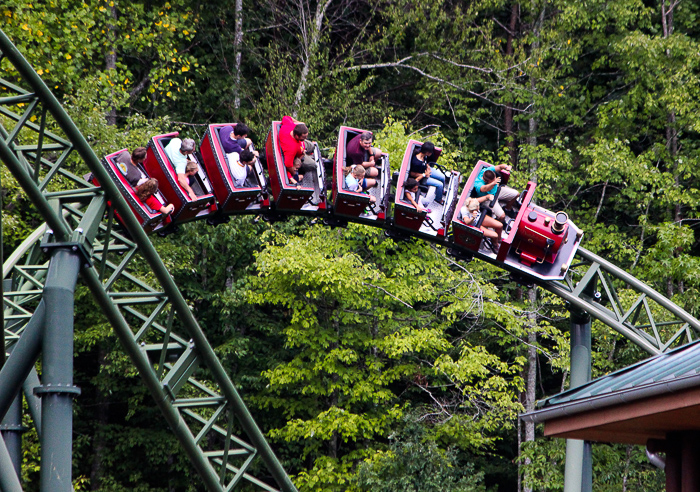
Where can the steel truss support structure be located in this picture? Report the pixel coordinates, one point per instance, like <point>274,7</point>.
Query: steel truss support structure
<point>46,154</point>
<point>625,303</point>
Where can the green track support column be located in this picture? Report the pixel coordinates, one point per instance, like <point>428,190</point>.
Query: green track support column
<point>9,482</point>
<point>578,470</point>
<point>33,401</point>
<point>12,430</point>
<point>21,360</point>
<point>57,388</point>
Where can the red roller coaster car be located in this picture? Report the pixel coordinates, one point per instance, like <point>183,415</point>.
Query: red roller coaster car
<point>251,197</point>
<point>356,205</point>
<point>535,241</point>
<point>435,218</point>
<point>158,165</point>
<point>151,220</point>
<point>287,196</point>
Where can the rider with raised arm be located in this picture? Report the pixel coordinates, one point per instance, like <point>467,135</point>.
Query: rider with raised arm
<point>488,183</point>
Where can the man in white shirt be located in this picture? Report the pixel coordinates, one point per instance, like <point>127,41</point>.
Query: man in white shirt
<point>177,151</point>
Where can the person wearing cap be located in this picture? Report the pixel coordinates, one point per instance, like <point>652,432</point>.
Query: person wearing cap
<point>420,169</point>
<point>178,152</point>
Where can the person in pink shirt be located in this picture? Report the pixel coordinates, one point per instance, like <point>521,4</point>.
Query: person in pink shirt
<point>292,139</point>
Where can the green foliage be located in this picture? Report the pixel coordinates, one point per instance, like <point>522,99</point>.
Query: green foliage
<point>372,363</point>
<point>68,42</point>
<point>350,355</point>
<point>414,463</point>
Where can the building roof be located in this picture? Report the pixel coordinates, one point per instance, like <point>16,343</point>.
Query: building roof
<point>646,400</point>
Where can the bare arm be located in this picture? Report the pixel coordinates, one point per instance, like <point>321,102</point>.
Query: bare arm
<point>410,199</point>
<point>489,187</point>
<point>185,183</point>
<point>167,209</point>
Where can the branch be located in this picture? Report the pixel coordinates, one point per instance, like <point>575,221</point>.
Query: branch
<point>139,87</point>
<point>421,129</point>
<point>388,293</point>
<point>401,64</point>
<point>471,67</point>
<point>275,26</point>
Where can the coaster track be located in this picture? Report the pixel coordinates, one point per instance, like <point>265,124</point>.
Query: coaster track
<point>44,150</point>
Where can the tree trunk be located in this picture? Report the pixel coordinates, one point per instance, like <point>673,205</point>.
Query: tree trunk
<point>237,47</point>
<point>111,64</point>
<point>671,133</point>
<point>508,115</point>
<point>520,447</point>
<point>334,399</point>
<point>531,371</point>
<point>531,380</point>
<point>625,476</point>
<point>99,444</point>
<point>310,47</point>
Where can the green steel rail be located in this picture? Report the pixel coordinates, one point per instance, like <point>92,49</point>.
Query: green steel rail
<point>42,148</point>
<point>626,304</point>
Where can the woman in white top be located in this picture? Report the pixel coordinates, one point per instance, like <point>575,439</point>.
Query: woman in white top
<point>491,228</point>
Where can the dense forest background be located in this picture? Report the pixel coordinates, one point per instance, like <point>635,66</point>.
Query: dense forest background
<point>373,364</point>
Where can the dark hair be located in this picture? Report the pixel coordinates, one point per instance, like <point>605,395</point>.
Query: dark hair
<point>247,155</point>
<point>365,136</point>
<point>146,189</point>
<point>427,147</point>
<point>489,176</point>
<point>300,130</point>
<point>241,129</point>
<point>410,183</point>
<point>138,154</point>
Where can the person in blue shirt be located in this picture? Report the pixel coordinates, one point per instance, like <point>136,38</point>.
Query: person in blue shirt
<point>420,169</point>
<point>355,181</point>
<point>488,183</point>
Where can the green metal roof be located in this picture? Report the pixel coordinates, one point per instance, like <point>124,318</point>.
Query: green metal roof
<point>665,373</point>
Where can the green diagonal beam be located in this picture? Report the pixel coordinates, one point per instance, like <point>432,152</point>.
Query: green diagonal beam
<point>147,250</point>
